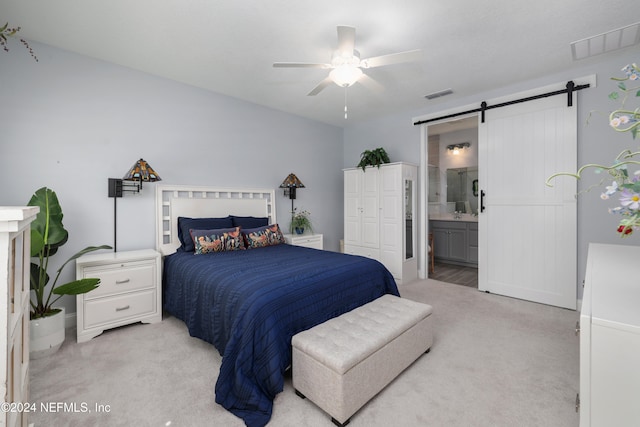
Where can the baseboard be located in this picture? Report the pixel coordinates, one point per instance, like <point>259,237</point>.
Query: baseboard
<point>70,321</point>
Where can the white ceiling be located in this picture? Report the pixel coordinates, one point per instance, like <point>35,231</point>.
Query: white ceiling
<point>229,46</point>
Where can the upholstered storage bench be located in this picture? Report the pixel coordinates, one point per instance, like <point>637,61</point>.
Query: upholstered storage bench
<point>342,363</point>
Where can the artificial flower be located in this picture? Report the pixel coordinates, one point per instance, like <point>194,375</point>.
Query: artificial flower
<point>624,119</point>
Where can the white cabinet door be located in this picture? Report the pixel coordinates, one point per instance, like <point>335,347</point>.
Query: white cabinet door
<point>352,201</point>
<point>391,223</point>
<point>370,214</point>
<point>361,208</point>
<point>610,338</point>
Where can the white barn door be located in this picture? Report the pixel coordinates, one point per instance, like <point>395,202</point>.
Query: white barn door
<point>527,231</point>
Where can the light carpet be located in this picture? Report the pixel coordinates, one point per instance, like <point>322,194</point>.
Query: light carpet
<point>495,361</point>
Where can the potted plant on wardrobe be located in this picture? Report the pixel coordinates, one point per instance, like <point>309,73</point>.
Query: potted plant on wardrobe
<point>47,236</point>
<point>374,157</point>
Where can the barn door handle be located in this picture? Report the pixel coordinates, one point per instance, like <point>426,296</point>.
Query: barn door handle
<point>482,200</point>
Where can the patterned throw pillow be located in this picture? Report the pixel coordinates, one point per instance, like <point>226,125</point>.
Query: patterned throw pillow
<point>218,240</point>
<point>186,224</point>
<point>263,236</point>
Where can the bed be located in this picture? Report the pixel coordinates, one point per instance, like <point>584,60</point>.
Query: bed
<point>249,303</point>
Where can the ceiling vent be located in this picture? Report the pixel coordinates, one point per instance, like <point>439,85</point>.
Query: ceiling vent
<point>438,94</point>
<point>606,42</point>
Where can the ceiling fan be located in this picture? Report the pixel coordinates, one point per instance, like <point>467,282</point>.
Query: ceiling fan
<point>346,66</point>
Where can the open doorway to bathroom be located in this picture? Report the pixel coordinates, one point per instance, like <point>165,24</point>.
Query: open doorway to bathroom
<point>453,201</point>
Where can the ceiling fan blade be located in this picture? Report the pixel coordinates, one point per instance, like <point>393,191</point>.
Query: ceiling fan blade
<point>371,84</point>
<point>316,90</point>
<point>299,65</point>
<point>346,40</point>
<point>394,58</point>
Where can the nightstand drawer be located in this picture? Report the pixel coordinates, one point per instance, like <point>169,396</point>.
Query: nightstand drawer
<point>118,278</point>
<point>308,241</point>
<point>112,309</point>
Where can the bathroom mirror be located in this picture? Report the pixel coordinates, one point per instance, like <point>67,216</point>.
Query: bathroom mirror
<point>409,206</point>
<point>434,184</point>
<point>462,194</point>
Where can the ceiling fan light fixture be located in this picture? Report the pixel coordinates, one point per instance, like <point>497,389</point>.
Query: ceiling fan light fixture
<point>345,75</point>
<point>345,58</point>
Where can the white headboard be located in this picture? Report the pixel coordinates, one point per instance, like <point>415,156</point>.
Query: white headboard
<point>173,201</point>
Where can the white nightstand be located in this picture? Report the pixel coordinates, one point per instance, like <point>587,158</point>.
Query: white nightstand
<point>306,240</point>
<point>130,291</point>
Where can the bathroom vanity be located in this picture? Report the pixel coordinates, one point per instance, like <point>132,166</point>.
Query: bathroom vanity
<point>455,238</point>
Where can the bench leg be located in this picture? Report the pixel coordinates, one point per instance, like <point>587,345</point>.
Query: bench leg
<point>300,394</point>
<point>338,423</point>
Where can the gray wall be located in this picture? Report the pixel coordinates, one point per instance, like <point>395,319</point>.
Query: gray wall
<point>69,122</point>
<point>597,143</point>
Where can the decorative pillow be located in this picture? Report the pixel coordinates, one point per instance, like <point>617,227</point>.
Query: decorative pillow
<point>220,240</point>
<point>185,224</point>
<point>249,221</point>
<point>263,236</point>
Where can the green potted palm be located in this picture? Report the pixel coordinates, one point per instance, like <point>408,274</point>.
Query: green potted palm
<point>47,236</point>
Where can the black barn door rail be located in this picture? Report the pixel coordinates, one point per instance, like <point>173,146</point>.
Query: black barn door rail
<point>570,88</point>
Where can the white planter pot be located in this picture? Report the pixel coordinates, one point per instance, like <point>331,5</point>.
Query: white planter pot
<point>46,335</point>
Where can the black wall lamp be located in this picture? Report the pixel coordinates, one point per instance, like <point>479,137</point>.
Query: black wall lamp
<point>290,184</point>
<point>140,172</point>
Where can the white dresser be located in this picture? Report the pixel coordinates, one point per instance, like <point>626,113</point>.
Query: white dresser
<point>610,338</point>
<point>306,240</point>
<point>15,245</point>
<point>129,291</point>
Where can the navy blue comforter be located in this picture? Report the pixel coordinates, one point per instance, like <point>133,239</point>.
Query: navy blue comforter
<point>249,304</point>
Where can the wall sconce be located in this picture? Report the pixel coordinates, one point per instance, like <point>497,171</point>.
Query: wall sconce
<point>140,172</point>
<point>290,184</point>
<point>455,148</point>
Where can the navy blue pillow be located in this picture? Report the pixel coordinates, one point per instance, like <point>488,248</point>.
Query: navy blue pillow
<point>249,221</point>
<point>185,224</point>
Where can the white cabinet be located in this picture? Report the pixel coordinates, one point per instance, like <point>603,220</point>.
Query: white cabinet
<point>129,291</point>
<point>610,338</point>
<point>15,246</point>
<point>307,240</point>
<point>455,242</point>
<point>361,209</point>
<point>380,206</point>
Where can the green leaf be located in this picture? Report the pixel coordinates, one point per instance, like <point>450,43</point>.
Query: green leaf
<point>638,93</point>
<point>35,278</point>
<point>37,242</point>
<point>622,86</point>
<point>48,222</point>
<point>4,28</point>
<point>613,96</point>
<point>77,287</point>
<point>82,252</point>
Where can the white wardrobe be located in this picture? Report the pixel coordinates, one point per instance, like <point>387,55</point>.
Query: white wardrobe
<point>379,216</point>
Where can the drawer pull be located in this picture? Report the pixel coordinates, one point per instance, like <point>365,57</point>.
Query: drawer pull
<point>120,282</point>
<point>126,307</point>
